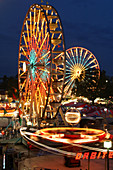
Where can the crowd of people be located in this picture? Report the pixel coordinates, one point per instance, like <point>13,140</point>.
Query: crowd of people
<point>10,133</point>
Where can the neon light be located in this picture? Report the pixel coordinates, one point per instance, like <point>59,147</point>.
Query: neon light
<point>110,155</point>
<point>98,155</point>
<point>93,155</point>
<point>86,155</point>
<point>78,156</point>
<point>104,154</point>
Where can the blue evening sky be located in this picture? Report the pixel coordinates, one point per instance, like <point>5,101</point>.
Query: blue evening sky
<point>86,23</point>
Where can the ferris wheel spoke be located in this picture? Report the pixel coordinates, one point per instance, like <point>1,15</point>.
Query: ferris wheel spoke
<point>45,56</point>
<point>68,74</point>
<point>88,59</point>
<point>73,56</point>
<point>34,21</point>
<point>67,77</point>
<point>27,30</point>
<point>42,46</point>
<point>44,71</point>
<point>68,85</point>
<point>38,20</point>
<point>27,82</point>
<point>42,30</point>
<point>94,66</point>
<point>25,41</point>
<point>40,80</point>
<point>84,57</point>
<point>43,41</point>
<point>70,64</point>
<point>77,55</point>
<point>81,51</point>
<point>68,80</point>
<point>88,64</point>
<point>68,69</point>
<point>69,58</point>
<point>30,25</point>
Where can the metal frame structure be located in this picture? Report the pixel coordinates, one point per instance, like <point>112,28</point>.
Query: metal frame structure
<point>41,68</point>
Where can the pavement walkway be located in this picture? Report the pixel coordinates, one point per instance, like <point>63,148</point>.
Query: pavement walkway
<point>55,162</point>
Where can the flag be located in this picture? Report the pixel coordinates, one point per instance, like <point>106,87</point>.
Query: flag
<point>15,90</point>
<point>14,97</point>
<point>5,111</point>
<point>20,120</point>
<point>59,46</point>
<point>22,97</point>
<point>20,112</point>
<point>19,115</point>
<point>7,106</point>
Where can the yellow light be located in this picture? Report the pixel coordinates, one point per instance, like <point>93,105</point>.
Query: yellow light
<point>24,67</point>
<point>72,117</point>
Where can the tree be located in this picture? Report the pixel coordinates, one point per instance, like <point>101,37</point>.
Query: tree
<point>9,84</point>
<point>88,88</point>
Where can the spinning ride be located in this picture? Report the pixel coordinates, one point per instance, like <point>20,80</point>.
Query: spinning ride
<point>65,140</point>
<point>41,68</point>
<point>81,65</point>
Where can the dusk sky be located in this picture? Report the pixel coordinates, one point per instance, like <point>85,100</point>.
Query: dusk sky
<point>86,23</point>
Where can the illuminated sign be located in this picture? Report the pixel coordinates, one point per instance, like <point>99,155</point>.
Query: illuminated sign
<point>92,155</point>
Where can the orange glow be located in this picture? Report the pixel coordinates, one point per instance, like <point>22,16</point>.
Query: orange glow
<point>8,110</point>
<point>72,117</point>
<point>98,155</point>
<point>104,154</point>
<point>78,156</point>
<point>86,155</point>
<point>89,135</point>
<point>110,154</point>
<point>93,155</point>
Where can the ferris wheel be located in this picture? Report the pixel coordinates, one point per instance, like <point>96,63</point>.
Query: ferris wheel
<point>41,68</point>
<point>81,65</point>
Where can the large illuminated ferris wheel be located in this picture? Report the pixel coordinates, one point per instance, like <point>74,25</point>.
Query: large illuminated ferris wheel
<point>81,65</point>
<point>41,68</point>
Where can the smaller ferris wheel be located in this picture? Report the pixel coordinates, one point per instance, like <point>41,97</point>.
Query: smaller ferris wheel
<point>81,65</point>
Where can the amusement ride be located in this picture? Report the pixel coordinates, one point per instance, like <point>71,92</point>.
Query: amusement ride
<point>41,68</point>
<point>81,65</point>
<point>44,81</point>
